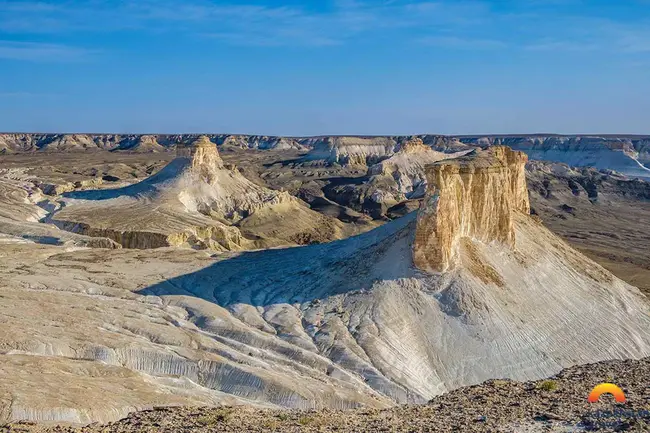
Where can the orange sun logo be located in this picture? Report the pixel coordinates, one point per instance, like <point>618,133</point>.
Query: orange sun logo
<point>606,388</point>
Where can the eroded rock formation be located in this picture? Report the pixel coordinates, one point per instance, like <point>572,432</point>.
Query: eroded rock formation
<point>89,335</point>
<point>196,201</point>
<point>474,196</point>
<point>629,155</point>
<point>407,168</point>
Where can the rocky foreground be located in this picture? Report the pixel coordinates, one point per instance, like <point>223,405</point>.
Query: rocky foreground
<point>555,404</point>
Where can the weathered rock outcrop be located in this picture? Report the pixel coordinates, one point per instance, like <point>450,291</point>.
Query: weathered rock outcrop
<point>260,142</point>
<point>218,190</point>
<point>135,142</point>
<point>398,176</point>
<point>367,151</point>
<point>474,196</point>
<point>210,236</point>
<point>20,213</point>
<point>361,151</point>
<point>629,155</point>
<point>407,167</point>
<point>196,201</point>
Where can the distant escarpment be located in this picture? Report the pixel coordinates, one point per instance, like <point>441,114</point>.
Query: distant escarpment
<point>406,167</point>
<point>391,181</point>
<point>629,155</point>
<point>474,196</point>
<point>343,150</point>
<point>367,151</point>
<point>134,142</point>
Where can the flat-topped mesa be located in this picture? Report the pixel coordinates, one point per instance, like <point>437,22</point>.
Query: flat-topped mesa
<point>473,196</point>
<point>414,145</point>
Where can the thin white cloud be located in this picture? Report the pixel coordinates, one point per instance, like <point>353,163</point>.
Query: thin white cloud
<point>281,25</point>
<point>26,6</point>
<point>454,24</point>
<point>556,45</point>
<point>454,42</point>
<point>636,42</point>
<point>588,34</point>
<point>276,40</point>
<point>38,52</point>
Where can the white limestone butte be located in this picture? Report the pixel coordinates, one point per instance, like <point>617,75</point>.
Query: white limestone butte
<point>196,200</point>
<point>406,168</point>
<point>352,322</point>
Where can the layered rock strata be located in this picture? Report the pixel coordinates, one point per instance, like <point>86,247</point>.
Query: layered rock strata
<point>474,197</point>
<point>629,155</point>
<point>407,168</point>
<point>25,142</point>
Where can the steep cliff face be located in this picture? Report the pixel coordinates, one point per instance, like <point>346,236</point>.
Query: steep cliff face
<point>361,151</point>
<point>202,158</point>
<point>474,197</point>
<point>407,167</point>
<point>199,235</point>
<point>259,142</point>
<point>367,151</point>
<point>629,155</point>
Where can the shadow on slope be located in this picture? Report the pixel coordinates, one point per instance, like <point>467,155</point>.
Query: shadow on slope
<point>301,274</point>
<point>153,184</point>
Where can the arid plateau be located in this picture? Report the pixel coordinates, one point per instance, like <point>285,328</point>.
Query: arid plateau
<point>318,275</point>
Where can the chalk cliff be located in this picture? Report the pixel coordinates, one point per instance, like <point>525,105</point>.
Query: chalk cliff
<point>629,155</point>
<point>407,167</point>
<point>474,196</point>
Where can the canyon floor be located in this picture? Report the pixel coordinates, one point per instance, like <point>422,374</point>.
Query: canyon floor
<point>556,404</point>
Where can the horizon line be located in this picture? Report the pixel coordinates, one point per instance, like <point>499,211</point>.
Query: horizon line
<point>536,134</point>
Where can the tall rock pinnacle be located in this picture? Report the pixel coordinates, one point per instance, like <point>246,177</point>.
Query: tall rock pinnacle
<point>204,157</point>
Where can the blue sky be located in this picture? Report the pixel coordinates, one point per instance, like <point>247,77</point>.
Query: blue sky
<point>325,67</point>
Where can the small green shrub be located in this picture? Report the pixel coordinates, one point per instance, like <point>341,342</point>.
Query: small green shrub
<point>271,424</point>
<point>548,385</point>
<point>316,421</point>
